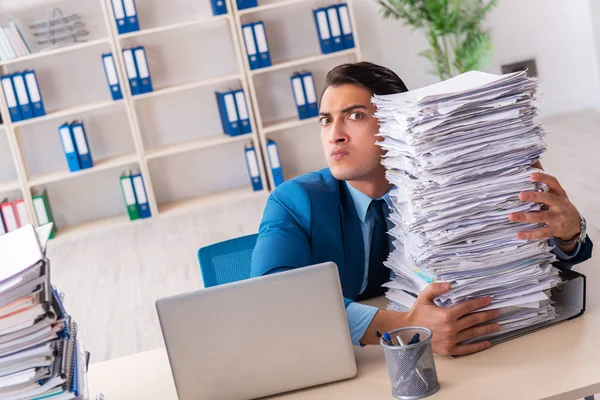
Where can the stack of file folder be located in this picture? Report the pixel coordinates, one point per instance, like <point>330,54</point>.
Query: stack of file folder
<point>135,196</point>
<point>138,71</point>
<point>13,43</point>
<point>13,215</point>
<point>257,46</point>
<point>334,28</point>
<point>459,153</point>
<point>75,145</point>
<point>23,95</point>
<point>41,355</point>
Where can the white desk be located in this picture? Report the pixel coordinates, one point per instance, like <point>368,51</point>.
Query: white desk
<point>561,362</point>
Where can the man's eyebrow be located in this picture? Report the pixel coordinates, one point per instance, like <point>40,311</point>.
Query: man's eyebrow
<point>345,110</point>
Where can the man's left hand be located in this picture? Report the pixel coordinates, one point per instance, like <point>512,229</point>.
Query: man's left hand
<point>561,217</point>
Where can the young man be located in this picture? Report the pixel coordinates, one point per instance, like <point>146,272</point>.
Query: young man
<point>340,214</point>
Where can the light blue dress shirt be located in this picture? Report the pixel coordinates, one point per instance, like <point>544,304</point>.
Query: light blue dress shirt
<point>360,315</point>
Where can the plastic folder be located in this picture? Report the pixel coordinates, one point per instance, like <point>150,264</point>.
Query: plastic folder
<point>68,144</point>
<point>141,197</point>
<point>253,169</point>
<point>299,96</point>
<point>35,95</point>
<point>129,197</point>
<point>11,98</point>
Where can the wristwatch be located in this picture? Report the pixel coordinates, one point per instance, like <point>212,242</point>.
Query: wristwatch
<point>580,237</point>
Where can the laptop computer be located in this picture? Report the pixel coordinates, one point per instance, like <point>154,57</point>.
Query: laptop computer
<point>260,336</point>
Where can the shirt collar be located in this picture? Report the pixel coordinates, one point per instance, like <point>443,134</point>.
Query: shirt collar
<point>362,201</point>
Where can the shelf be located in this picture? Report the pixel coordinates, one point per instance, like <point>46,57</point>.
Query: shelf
<point>60,50</point>
<point>67,112</point>
<point>267,7</point>
<point>173,27</point>
<point>9,186</point>
<point>195,145</point>
<point>100,165</point>
<point>94,226</point>
<point>234,194</point>
<point>186,86</point>
<point>301,61</point>
<point>289,124</point>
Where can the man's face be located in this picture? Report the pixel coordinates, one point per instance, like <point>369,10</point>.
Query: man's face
<point>348,129</point>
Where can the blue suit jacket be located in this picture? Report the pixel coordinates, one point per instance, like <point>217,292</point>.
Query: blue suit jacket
<point>312,219</point>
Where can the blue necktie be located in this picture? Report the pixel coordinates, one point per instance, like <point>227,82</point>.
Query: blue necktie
<point>380,249</point>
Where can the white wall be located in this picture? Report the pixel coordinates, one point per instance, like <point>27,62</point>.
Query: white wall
<point>558,33</point>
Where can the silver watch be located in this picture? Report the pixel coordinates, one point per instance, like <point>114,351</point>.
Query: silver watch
<point>580,237</point>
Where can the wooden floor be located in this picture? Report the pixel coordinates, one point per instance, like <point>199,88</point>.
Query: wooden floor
<point>112,279</point>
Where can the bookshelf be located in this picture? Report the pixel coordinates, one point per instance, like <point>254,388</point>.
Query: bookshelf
<point>173,135</point>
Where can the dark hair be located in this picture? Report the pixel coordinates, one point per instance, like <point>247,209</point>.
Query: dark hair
<point>375,78</point>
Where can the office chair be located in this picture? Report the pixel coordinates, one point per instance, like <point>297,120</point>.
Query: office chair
<point>227,261</point>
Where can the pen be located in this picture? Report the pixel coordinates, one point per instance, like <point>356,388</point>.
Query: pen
<point>388,340</point>
<point>415,339</point>
<point>400,341</point>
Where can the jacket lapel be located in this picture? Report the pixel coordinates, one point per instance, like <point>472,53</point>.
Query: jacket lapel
<point>352,241</point>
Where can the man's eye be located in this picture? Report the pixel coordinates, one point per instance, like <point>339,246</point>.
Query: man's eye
<point>324,121</point>
<point>355,116</point>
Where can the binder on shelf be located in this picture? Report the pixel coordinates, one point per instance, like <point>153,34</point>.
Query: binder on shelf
<point>336,30</point>
<point>250,41</point>
<point>311,95</point>
<point>347,35</point>
<point>131,19</point>
<point>299,96</point>
<point>219,7</point>
<point>9,217</point>
<point>262,44</point>
<point>119,12</point>
<point>41,205</point>
<point>112,78</point>
<point>21,213</point>
<point>323,30</point>
<point>22,96</point>
<point>68,144</point>
<point>143,69</point>
<point>33,88</point>
<point>242,110</point>
<point>141,197</point>
<point>228,112</point>
<point>244,4</point>
<point>11,98</point>
<point>252,164</point>
<point>129,197</point>
<point>275,162</point>
<point>82,145</point>
<point>132,74</point>
<point>5,47</point>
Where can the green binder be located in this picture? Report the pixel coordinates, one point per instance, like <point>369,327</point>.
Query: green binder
<point>44,212</point>
<point>129,197</point>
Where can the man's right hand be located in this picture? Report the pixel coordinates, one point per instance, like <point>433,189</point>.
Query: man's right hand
<point>451,326</point>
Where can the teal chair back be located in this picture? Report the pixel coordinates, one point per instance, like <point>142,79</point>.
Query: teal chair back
<point>227,261</point>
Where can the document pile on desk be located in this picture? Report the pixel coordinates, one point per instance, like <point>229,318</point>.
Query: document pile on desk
<point>40,354</point>
<point>459,153</point>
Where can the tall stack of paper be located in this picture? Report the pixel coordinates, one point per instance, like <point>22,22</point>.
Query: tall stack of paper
<point>459,153</point>
<point>40,353</point>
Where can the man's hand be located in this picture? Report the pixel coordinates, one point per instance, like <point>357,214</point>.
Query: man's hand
<point>561,217</point>
<point>451,326</point>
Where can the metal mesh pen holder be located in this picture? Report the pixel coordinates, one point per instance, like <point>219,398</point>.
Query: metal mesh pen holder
<point>411,367</point>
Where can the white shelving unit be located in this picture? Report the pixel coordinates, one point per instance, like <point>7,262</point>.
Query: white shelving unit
<point>172,135</point>
<point>139,153</point>
<point>297,16</point>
